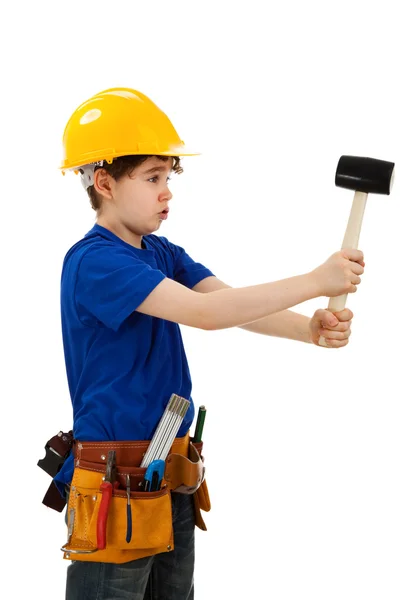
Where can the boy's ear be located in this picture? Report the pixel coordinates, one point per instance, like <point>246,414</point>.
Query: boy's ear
<point>102,183</point>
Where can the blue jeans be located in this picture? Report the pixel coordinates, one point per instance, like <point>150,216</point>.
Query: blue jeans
<point>165,576</point>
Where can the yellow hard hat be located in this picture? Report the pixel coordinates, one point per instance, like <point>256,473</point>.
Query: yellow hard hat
<point>118,122</point>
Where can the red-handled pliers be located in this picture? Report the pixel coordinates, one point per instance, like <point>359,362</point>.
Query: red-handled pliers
<point>106,489</point>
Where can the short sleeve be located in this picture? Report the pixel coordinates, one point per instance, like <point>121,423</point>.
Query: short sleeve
<point>112,283</point>
<point>186,270</point>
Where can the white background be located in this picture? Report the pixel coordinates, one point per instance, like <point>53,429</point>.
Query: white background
<point>301,443</point>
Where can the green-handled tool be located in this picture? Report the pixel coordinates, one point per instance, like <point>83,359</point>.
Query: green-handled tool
<point>198,433</point>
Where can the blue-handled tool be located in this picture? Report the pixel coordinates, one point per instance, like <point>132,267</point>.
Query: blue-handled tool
<point>153,476</point>
<point>128,510</point>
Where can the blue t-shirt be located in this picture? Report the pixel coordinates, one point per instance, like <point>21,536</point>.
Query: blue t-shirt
<point>122,366</point>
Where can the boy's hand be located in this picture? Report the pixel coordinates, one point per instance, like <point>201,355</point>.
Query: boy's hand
<point>340,274</point>
<point>334,327</point>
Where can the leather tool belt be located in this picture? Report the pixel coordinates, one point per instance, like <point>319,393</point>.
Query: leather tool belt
<point>129,523</point>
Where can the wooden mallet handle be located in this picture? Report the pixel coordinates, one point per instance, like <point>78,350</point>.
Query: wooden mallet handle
<point>365,175</point>
<point>350,240</point>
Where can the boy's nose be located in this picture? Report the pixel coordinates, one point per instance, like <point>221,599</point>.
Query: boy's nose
<point>166,195</point>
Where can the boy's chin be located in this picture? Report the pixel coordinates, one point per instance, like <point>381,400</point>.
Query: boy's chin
<point>158,226</point>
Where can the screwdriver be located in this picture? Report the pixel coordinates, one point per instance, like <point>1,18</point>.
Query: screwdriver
<point>128,510</point>
<point>198,433</point>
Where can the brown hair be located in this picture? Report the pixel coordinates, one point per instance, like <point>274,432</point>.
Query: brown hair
<point>125,165</point>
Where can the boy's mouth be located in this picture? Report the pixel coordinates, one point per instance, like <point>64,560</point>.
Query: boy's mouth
<point>164,214</point>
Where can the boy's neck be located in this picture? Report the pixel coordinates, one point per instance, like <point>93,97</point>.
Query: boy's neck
<point>122,232</point>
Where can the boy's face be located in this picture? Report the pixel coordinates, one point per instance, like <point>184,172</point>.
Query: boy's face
<point>140,200</point>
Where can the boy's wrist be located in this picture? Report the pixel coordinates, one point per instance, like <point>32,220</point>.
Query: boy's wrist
<point>312,285</point>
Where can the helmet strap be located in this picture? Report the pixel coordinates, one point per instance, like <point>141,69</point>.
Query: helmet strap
<point>87,173</point>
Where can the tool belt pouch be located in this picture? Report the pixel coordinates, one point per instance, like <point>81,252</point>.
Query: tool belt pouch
<point>185,475</point>
<point>201,497</point>
<point>149,522</point>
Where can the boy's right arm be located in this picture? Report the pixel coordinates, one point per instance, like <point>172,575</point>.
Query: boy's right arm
<point>233,307</point>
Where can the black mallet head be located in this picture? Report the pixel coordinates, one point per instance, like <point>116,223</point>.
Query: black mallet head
<point>362,174</point>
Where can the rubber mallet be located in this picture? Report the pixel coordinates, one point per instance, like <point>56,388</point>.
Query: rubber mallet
<point>365,176</point>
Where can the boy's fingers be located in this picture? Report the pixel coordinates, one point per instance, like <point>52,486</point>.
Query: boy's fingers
<point>344,315</point>
<point>357,268</point>
<point>326,318</point>
<point>335,335</point>
<point>339,327</point>
<point>336,343</point>
<point>354,255</point>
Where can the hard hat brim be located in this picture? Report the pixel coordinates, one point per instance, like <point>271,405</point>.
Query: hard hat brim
<point>109,156</point>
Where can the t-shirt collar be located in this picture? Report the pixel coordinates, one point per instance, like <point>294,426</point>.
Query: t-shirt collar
<point>109,235</point>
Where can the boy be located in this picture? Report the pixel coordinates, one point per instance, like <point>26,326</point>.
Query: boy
<point>124,292</point>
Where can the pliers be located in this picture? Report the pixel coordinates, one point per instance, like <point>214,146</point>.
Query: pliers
<point>106,490</point>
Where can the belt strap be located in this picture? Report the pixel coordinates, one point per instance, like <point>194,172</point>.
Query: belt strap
<point>127,453</point>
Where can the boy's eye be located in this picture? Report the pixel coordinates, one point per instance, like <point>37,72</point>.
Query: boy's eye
<point>156,178</point>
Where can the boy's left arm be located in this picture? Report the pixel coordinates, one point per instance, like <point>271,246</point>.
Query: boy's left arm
<point>334,327</point>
